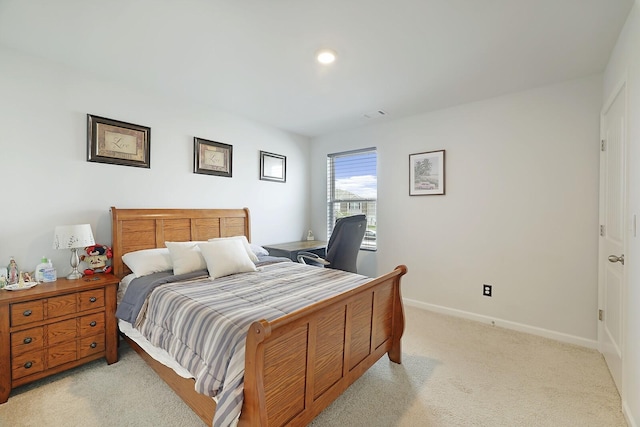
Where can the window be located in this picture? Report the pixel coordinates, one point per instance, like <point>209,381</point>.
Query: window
<point>352,188</point>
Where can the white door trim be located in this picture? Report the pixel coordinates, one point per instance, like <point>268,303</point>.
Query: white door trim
<point>621,87</point>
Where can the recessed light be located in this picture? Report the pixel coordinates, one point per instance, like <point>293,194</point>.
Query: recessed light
<point>326,56</point>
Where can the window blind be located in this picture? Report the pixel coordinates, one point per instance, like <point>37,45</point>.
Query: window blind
<point>352,188</point>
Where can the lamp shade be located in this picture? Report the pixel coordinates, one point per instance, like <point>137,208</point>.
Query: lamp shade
<point>72,236</point>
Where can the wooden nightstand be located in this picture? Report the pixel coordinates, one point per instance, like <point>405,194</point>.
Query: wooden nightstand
<point>56,326</point>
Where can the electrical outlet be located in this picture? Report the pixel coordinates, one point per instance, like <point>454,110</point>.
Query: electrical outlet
<point>486,290</point>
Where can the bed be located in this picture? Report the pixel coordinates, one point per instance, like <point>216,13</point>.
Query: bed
<point>294,365</point>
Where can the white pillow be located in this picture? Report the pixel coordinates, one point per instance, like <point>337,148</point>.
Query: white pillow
<point>245,243</point>
<point>148,261</point>
<point>185,257</point>
<point>258,250</point>
<point>225,257</point>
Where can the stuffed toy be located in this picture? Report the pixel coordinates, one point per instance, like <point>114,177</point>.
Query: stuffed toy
<point>99,259</point>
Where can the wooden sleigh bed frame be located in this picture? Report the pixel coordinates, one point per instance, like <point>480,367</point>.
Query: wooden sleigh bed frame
<point>296,365</point>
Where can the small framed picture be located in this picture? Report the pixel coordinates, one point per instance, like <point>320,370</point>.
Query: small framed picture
<point>426,173</point>
<point>273,167</point>
<point>212,158</point>
<point>118,143</point>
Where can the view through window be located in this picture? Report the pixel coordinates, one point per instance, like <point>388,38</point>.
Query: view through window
<point>352,188</point>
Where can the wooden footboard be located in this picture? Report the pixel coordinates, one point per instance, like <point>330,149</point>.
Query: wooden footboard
<point>298,364</point>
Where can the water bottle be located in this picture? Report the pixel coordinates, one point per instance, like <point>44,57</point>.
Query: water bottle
<point>44,263</point>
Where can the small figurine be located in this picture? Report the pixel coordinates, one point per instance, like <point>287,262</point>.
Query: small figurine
<point>14,274</point>
<point>21,283</point>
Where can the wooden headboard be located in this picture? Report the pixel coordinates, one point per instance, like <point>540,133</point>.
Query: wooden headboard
<point>137,229</point>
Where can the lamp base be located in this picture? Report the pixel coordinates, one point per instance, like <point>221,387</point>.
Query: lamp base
<point>75,260</point>
<point>74,275</point>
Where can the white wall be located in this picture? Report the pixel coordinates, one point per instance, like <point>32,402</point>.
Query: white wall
<point>625,64</point>
<point>46,180</point>
<point>520,210</point>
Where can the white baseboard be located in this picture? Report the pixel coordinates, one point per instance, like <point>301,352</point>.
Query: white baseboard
<point>626,411</point>
<point>558,336</point>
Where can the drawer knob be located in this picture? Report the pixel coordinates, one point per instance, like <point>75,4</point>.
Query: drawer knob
<point>93,345</point>
<point>28,365</point>
<point>27,340</point>
<point>27,313</point>
<point>92,299</point>
<point>92,324</point>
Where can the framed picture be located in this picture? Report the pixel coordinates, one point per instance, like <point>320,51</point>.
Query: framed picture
<point>273,167</point>
<point>426,173</point>
<point>118,143</point>
<point>212,158</point>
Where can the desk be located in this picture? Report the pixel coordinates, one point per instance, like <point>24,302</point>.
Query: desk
<point>290,250</point>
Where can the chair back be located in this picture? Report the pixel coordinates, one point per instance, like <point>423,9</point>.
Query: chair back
<point>344,243</point>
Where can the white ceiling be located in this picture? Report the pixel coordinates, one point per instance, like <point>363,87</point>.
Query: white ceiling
<point>256,57</point>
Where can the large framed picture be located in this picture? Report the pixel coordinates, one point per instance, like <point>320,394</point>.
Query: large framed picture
<point>212,158</point>
<point>273,167</point>
<point>118,143</point>
<point>426,173</point>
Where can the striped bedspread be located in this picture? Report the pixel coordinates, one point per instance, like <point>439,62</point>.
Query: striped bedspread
<point>203,323</point>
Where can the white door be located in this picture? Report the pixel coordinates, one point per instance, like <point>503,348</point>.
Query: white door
<point>611,281</point>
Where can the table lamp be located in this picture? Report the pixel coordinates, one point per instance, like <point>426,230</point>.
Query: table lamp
<point>73,237</point>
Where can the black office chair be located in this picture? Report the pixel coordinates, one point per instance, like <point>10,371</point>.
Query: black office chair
<point>343,247</point>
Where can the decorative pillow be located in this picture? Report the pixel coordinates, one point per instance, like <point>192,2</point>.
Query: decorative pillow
<point>185,257</point>
<point>258,250</point>
<point>148,261</point>
<point>245,243</point>
<point>225,257</point>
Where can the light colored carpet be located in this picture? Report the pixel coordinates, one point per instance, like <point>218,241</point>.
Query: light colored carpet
<point>455,372</point>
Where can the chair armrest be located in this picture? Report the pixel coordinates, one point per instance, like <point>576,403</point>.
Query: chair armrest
<point>303,257</point>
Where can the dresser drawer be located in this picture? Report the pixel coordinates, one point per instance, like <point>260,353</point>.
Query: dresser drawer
<point>59,306</point>
<point>62,331</point>
<point>91,345</point>
<point>91,324</point>
<point>63,353</point>
<point>91,299</point>
<point>29,340</point>
<point>26,364</point>
<point>27,312</point>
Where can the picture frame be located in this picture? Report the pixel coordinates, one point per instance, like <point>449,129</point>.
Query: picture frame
<point>273,167</point>
<point>212,158</point>
<point>426,173</point>
<point>119,143</point>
